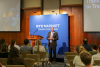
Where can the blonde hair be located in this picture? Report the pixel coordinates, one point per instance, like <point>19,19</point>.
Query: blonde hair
<point>38,42</point>
<point>80,48</point>
<point>86,57</point>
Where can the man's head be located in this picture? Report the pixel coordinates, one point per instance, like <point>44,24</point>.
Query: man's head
<point>94,46</point>
<point>26,41</point>
<point>84,41</point>
<point>86,57</point>
<point>52,29</point>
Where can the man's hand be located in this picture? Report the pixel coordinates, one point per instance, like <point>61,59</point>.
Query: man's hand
<point>50,38</point>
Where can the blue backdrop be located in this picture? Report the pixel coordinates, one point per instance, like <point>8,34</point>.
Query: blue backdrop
<point>43,24</point>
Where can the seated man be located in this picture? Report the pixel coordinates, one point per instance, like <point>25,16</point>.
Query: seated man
<point>26,47</point>
<point>94,49</point>
<point>86,46</point>
<point>86,58</point>
<point>97,56</point>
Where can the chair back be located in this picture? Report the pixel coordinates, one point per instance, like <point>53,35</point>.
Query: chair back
<point>15,66</point>
<point>69,53</point>
<point>3,61</point>
<point>23,53</point>
<point>71,63</point>
<point>42,54</point>
<point>36,57</point>
<point>29,62</point>
<point>70,57</point>
<point>96,62</point>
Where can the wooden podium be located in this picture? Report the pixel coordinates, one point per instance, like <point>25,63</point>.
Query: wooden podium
<point>33,39</point>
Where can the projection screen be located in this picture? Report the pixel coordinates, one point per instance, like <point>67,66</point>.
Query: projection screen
<point>10,15</point>
<point>91,15</point>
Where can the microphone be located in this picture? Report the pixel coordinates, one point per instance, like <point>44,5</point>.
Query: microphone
<point>35,31</point>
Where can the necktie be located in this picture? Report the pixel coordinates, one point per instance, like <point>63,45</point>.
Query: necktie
<point>51,37</point>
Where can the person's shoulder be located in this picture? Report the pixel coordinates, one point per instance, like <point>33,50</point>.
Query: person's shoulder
<point>41,46</point>
<point>55,32</point>
<point>9,46</point>
<point>16,45</point>
<point>95,55</point>
<point>29,47</point>
<point>77,56</point>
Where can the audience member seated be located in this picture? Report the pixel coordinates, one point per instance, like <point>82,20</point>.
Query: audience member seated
<point>38,46</point>
<point>97,56</point>
<point>77,61</point>
<point>13,44</point>
<point>1,42</point>
<point>4,51</point>
<point>26,47</point>
<point>94,49</point>
<point>14,57</point>
<point>86,46</point>
<point>86,58</point>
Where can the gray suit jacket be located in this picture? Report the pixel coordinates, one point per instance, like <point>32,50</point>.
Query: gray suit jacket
<point>26,48</point>
<point>55,36</point>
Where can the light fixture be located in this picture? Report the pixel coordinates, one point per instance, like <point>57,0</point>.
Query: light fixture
<point>36,13</point>
<point>64,13</point>
<point>55,12</point>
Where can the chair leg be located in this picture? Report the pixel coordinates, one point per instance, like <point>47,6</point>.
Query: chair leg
<point>42,64</point>
<point>46,63</point>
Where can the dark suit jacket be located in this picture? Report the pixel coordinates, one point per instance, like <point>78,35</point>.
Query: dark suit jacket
<point>55,36</point>
<point>87,47</point>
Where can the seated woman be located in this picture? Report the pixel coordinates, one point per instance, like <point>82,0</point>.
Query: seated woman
<point>94,49</point>
<point>38,46</point>
<point>77,61</point>
<point>1,42</point>
<point>14,57</point>
<point>4,51</point>
<point>13,44</point>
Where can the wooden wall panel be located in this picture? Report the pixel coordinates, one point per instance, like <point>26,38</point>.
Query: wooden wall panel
<point>20,36</point>
<point>76,26</point>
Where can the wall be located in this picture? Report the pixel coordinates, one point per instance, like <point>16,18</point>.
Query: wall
<point>30,3</point>
<point>68,2</point>
<point>49,6</point>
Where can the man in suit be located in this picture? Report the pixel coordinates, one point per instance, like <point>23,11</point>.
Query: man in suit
<point>26,47</point>
<point>52,37</point>
<point>86,46</point>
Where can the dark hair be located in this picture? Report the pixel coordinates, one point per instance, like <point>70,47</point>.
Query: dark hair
<point>13,54</point>
<point>1,42</point>
<point>85,41</point>
<point>26,41</point>
<point>94,46</point>
<point>12,43</point>
<point>4,47</point>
